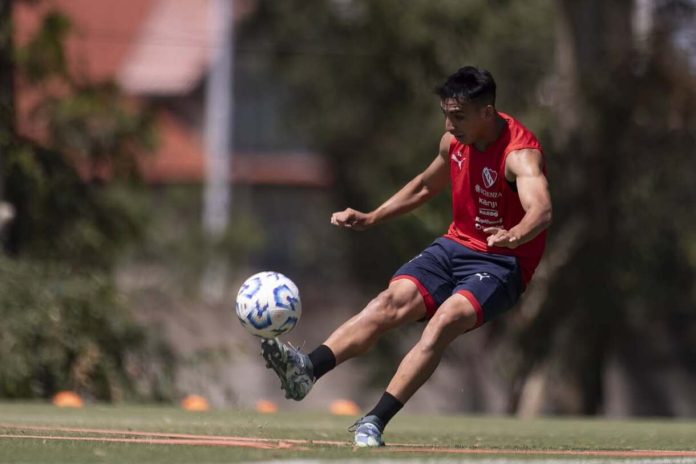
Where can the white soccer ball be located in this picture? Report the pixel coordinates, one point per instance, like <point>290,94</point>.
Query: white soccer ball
<point>268,304</point>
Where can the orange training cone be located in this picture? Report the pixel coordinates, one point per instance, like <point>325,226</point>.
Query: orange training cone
<point>266,407</point>
<point>67,399</point>
<point>195,403</point>
<point>344,408</point>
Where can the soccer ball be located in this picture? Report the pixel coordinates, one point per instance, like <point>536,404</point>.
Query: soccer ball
<point>268,304</point>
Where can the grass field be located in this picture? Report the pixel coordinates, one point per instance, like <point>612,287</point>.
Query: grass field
<point>34,433</point>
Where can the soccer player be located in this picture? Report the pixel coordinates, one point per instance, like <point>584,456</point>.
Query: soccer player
<point>477,270</point>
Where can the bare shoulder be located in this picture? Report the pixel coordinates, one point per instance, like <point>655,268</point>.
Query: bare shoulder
<point>526,161</point>
<point>445,143</point>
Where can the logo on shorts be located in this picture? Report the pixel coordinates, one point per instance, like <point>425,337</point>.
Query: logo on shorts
<point>489,177</point>
<point>483,275</point>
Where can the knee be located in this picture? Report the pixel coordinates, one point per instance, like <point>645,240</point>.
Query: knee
<point>444,327</point>
<point>385,309</point>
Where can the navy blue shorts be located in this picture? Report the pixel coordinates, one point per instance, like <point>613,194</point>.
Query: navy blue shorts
<point>491,282</point>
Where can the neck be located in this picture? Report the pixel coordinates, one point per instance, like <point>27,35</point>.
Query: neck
<point>491,134</point>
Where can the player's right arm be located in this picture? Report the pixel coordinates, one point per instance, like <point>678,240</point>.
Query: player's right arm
<point>420,189</point>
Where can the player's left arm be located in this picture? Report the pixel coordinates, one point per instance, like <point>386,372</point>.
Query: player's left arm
<point>526,168</point>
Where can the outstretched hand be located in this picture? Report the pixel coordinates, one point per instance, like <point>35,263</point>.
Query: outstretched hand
<point>500,237</point>
<point>351,219</point>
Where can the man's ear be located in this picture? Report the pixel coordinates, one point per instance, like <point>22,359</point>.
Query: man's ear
<point>488,112</point>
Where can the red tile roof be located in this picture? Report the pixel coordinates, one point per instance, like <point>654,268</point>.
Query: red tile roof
<point>155,47</point>
<point>103,31</point>
<point>172,51</point>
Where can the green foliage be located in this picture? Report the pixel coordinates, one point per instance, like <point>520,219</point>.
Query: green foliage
<point>44,55</point>
<point>63,213</point>
<point>94,126</point>
<point>67,330</point>
<point>626,159</point>
<point>620,158</point>
<point>360,75</point>
<point>62,218</point>
<point>175,243</point>
<point>64,325</point>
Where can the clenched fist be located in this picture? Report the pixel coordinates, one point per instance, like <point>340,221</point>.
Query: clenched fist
<point>351,219</point>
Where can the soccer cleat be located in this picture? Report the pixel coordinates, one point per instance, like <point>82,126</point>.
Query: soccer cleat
<point>293,367</point>
<point>368,432</point>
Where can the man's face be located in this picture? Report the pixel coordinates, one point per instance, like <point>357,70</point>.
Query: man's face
<point>463,119</point>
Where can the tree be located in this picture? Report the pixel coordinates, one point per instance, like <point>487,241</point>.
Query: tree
<point>623,263</point>
<point>7,114</point>
<point>359,78</point>
<point>360,75</point>
<point>612,288</point>
<point>63,324</point>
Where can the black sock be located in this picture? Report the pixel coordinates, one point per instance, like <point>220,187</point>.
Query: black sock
<point>323,360</point>
<point>386,408</point>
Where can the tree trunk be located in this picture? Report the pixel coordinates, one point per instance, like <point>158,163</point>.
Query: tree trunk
<point>7,107</point>
<point>568,340</point>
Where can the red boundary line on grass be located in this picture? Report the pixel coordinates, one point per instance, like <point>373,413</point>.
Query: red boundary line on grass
<point>547,452</point>
<point>275,443</point>
<point>160,441</point>
<point>171,435</point>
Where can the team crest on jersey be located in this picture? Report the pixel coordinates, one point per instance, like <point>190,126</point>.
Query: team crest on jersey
<point>489,177</point>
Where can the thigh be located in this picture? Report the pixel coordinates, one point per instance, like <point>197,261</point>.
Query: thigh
<point>457,315</point>
<point>431,273</point>
<point>490,295</point>
<point>491,282</point>
<point>407,300</point>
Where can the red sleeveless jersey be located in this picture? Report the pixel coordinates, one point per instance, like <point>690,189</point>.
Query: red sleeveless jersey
<point>482,197</point>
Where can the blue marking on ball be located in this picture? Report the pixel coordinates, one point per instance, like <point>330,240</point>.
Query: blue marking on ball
<point>288,325</point>
<point>250,288</point>
<point>290,301</point>
<point>260,318</point>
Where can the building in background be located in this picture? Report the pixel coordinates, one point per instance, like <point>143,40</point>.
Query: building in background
<point>158,51</point>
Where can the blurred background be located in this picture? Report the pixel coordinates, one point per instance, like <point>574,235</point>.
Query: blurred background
<point>155,153</point>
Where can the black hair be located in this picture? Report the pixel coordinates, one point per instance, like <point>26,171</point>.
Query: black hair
<point>469,84</point>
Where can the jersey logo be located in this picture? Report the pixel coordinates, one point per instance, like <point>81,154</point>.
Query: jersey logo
<point>489,177</point>
<point>482,275</point>
<point>458,158</point>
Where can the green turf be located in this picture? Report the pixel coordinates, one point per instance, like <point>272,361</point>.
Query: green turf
<point>438,431</point>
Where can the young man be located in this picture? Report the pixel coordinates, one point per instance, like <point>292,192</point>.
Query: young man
<point>475,272</point>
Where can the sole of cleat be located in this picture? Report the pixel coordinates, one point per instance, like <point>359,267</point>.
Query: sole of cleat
<point>372,443</point>
<point>273,356</point>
